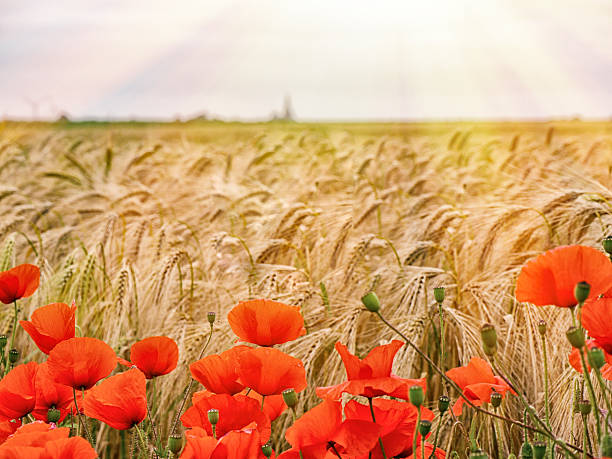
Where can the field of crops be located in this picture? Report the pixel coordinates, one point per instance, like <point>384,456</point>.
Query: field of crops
<point>149,227</point>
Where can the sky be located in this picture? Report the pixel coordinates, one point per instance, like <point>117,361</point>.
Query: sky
<point>335,59</point>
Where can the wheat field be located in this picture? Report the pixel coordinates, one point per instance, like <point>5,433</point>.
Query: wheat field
<point>148,227</point>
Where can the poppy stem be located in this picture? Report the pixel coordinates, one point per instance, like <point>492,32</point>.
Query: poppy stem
<point>142,439</point>
<point>497,433</point>
<point>416,429</point>
<point>604,388</point>
<point>473,442</point>
<point>565,446</point>
<point>380,442</point>
<point>82,423</point>
<point>333,447</point>
<point>587,378</point>
<point>435,444</point>
<point>586,441</point>
<point>14,324</point>
<point>263,397</point>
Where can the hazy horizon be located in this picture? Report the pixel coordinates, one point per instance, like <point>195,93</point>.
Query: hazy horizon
<point>338,61</point>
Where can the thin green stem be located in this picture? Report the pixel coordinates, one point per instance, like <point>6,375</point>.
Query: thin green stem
<point>263,397</point>
<point>380,442</point>
<point>497,434</point>
<point>416,429</point>
<point>14,325</point>
<point>435,444</point>
<point>586,441</point>
<point>143,442</point>
<point>546,401</point>
<point>473,442</point>
<point>442,346</point>
<point>604,389</point>
<point>587,378</point>
<point>81,421</point>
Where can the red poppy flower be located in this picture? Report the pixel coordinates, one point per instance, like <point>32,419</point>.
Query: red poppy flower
<point>50,394</point>
<point>35,434</point>
<point>269,371</point>
<point>239,444</point>
<point>69,448</point>
<point>439,454</point>
<point>371,377</point>
<point>396,419</point>
<point>154,356</point>
<point>596,317</point>
<point>17,392</point>
<point>81,362</point>
<point>120,401</point>
<point>235,412</point>
<point>8,428</point>
<point>198,444</point>
<point>219,373</point>
<point>273,405</point>
<point>322,427</point>
<point>266,322</point>
<point>18,282</point>
<point>550,279</point>
<point>50,324</point>
<point>477,381</point>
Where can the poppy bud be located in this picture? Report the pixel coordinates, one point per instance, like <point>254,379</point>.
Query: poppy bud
<point>290,397</point>
<point>416,395</point>
<point>53,415</point>
<point>424,427</point>
<point>575,337</point>
<point>175,443</point>
<point>3,341</point>
<point>605,446</point>
<point>542,327</point>
<point>439,294</point>
<point>478,454</point>
<point>13,355</point>
<point>526,450</point>
<point>443,403</point>
<point>267,450</point>
<point>539,449</point>
<point>488,335</point>
<point>496,399</point>
<point>370,301</point>
<point>607,244</point>
<point>511,456</point>
<point>597,359</point>
<point>584,406</point>
<point>213,416</point>
<point>211,316</point>
<point>581,291</point>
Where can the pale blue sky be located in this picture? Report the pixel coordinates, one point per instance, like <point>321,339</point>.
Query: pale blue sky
<point>338,59</point>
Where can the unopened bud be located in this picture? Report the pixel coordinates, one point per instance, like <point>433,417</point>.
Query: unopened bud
<point>211,316</point>
<point>443,403</point>
<point>607,245</point>
<point>605,446</point>
<point>511,456</point>
<point>488,335</point>
<point>290,397</point>
<point>175,443</point>
<point>267,450</point>
<point>3,341</point>
<point>496,399</point>
<point>539,449</point>
<point>370,301</point>
<point>575,336</point>
<point>13,355</point>
<point>439,294</point>
<point>597,359</point>
<point>478,454</point>
<point>416,396</point>
<point>584,406</point>
<point>526,450</point>
<point>53,415</point>
<point>542,327</point>
<point>424,427</point>
<point>213,416</point>
<point>581,291</point>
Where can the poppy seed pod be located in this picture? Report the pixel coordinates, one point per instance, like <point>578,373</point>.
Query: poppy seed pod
<point>424,427</point>
<point>526,450</point>
<point>370,301</point>
<point>439,294</point>
<point>443,403</point>
<point>584,406</point>
<point>416,395</point>
<point>478,454</point>
<point>496,399</point>
<point>53,415</point>
<point>575,336</point>
<point>211,316</point>
<point>597,359</point>
<point>542,325</point>
<point>607,244</point>
<point>213,416</point>
<point>3,341</point>
<point>290,397</point>
<point>267,450</point>
<point>13,355</point>
<point>605,446</point>
<point>488,335</point>
<point>175,443</point>
<point>581,291</point>
<point>511,456</point>
<point>539,449</point>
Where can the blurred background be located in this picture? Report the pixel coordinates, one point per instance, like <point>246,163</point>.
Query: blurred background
<point>327,60</point>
